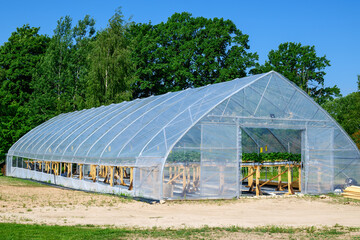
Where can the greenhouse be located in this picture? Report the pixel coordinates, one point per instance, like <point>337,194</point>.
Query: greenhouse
<point>218,141</point>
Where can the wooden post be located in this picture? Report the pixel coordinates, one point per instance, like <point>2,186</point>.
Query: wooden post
<point>290,190</point>
<point>97,173</point>
<point>122,176</point>
<point>251,178</point>
<point>112,176</point>
<point>188,176</point>
<point>279,188</point>
<point>221,180</point>
<point>198,172</point>
<point>100,170</point>
<point>257,186</point>
<point>173,172</point>
<point>299,167</point>
<point>184,179</point>
<point>69,170</point>
<point>81,171</point>
<point>131,177</point>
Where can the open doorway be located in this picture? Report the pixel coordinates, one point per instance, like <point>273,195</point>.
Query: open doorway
<point>271,161</point>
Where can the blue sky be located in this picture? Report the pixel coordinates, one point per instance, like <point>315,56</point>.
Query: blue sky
<point>332,26</point>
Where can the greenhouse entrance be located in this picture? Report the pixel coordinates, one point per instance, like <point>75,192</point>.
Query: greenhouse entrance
<point>225,160</point>
<point>271,161</point>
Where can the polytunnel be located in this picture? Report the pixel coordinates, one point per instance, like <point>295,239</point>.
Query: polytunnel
<point>190,144</point>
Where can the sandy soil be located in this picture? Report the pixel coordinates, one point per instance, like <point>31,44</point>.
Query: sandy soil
<point>50,205</point>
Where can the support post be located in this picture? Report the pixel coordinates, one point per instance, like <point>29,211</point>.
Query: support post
<point>112,176</point>
<point>184,179</point>
<point>279,188</point>
<point>131,178</point>
<point>257,186</point>
<point>122,176</point>
<point>97,173</point>
<point>222,180</point>
<point>80,171</point>
<point>299,167</point>
<point>69,170</point>
<point>251,178</point>
<point>290,189</point>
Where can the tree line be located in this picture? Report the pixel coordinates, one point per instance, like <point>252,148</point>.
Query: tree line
<point>80,67</point>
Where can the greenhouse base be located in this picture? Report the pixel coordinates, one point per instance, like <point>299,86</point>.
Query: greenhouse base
<point>73,183</point>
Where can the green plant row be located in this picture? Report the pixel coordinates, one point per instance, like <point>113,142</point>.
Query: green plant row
<point>272,157</point>
<point>186,156</point>
<point>194,156</point>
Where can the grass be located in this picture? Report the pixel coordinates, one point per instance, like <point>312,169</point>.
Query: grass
<point>27,231</point>
<point>10,181</point>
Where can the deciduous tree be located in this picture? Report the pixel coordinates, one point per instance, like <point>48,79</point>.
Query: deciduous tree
<point>188,52</point>
<point>346,111</point>
<point>301,65</point>
<point>60,80</point>
<point>18,59</point>
<point>111,69</point>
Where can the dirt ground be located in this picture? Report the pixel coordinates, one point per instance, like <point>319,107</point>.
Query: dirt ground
<point>50,205</point>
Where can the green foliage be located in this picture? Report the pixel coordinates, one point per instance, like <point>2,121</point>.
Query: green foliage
<point>60,79</point>
<point>188,52</point>
<point>18,59</point>
<point>301,65</point>
<point>195,156</point>
<point>262,157</point>
<point>356,138</point>
<point>184,156</point>
<point>41,77</point>
<point>111,70</point>
<point>346,111</point>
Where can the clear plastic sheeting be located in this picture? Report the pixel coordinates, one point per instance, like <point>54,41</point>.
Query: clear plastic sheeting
<point>188,144</point>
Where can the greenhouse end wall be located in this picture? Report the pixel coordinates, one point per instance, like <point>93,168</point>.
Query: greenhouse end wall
<point>188,144</point>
